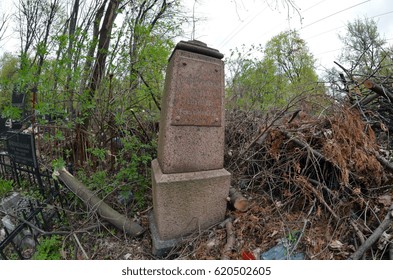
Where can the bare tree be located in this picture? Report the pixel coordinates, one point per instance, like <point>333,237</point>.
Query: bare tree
<point>28,18</point>
<point>3,25</point>
<point>98,14</point>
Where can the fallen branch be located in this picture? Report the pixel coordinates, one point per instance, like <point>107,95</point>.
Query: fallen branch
<point>369,98</point>
<point>33,226</point>
<point>96,204</point>
<point>358,232</point>
<point>304,145</point>
<point>387,164</point>
<point>374,236</point>
<point>237,200</point>
<point>322,200</point>
<point>380,90</point>
<point>306,223</point>
<point>80,246</point>
<point>230,240</point>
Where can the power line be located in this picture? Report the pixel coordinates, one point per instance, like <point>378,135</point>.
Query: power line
<point>338,12</point>
<point>234,33</point>
<point>322,33</point>
<point>281,23</point>
<point>335,50</point>
<point>313,6</point>
<point>330,30</point>
<point>328,52</point>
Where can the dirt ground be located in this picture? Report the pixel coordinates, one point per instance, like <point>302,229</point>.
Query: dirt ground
<point>317,182</point>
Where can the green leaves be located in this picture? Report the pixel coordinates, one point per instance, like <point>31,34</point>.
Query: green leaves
<point>12,112</point>
<point>286,69</point>
<point>364,49</point>
<point>6,187</point>
<point>49,249</point>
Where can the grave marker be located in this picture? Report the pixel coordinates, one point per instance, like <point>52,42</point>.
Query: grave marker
<point>21,148</point>
<point>190,185</point>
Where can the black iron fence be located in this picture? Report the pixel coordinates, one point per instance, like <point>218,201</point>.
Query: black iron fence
<point>35,205</point>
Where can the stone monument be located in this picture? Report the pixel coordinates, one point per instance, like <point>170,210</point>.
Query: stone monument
<point>190,184</point>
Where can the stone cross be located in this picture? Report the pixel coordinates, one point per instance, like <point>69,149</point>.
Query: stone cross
<point>190,184</point>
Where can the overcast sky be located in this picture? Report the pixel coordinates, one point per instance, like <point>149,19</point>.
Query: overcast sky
<point>230,23</point>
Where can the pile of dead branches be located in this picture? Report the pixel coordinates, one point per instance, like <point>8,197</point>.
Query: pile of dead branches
<point>321,176</point>
<point>372,95</point>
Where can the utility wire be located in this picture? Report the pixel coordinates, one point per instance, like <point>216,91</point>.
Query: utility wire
<point>234,32</point>
<point>330,51</point>
<point>330,30</point>
<point>313,6</point>
<point>338,12</point>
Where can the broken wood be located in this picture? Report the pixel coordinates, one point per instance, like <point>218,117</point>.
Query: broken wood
<point>237,200</point>
<point>386,223</point>
<point>97,204</point>
<point>366,100</point>
<point>230,240</point>
<point>322,201</point>
<point>380,90</point>
<point>304,145</point>
<point>387,164</point>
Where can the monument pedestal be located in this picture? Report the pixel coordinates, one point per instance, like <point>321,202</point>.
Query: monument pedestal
<point>186,202</point>
<point>190,185</point>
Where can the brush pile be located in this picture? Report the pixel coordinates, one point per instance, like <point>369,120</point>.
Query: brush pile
<point>320,181</point>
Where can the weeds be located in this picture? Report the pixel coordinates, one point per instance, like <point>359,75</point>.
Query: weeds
<point>49,249</point>
<point>6,187</point>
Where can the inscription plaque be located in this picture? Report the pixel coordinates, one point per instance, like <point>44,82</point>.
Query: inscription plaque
<point>198,97</point>
<point>21,148</point>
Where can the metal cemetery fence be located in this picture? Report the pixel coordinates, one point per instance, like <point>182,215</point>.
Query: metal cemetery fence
<point>24,218</point>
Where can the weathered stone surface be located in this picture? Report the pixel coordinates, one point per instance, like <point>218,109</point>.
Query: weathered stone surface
<point>197,100</point>
<point>185,202</point>
<point>160,247</point>
<point>191,134</point>
<point>190,185</point>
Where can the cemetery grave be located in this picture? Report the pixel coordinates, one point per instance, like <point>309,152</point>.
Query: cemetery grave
<point>226,184</point>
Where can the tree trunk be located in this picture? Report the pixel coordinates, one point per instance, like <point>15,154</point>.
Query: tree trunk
<point>71,39</point>
<point>103,46</point>
<point>96,204</point>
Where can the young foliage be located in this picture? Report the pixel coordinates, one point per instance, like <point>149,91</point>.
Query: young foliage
<point>285,70</point>
<point>364,49</point>
<point>49,249</point>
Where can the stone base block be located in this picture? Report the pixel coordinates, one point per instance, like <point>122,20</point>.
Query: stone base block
<point>161,248</point>
<point>187,202</point>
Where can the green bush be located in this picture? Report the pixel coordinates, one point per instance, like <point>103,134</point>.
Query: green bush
<point>5,187</point>
<point>48,249</point>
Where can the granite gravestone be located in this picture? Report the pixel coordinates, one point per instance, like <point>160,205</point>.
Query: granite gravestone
<point>21,148</point>
<point>190,185</point>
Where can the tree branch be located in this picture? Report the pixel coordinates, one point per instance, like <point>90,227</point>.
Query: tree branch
<point>386,223</point>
